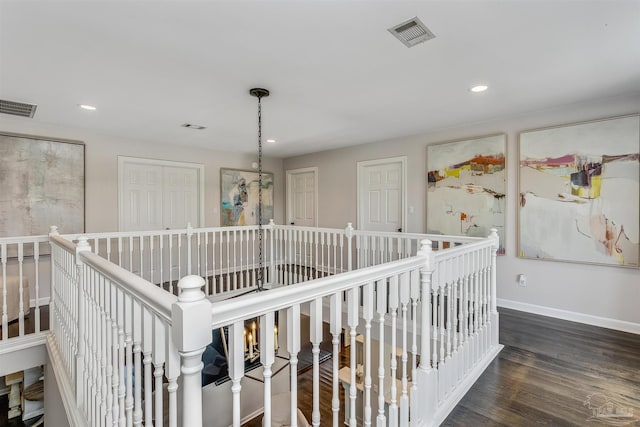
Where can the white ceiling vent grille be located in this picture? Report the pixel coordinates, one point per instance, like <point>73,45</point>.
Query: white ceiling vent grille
<point>17,108</point>
<point>411,32</point>
<point>193,126</point>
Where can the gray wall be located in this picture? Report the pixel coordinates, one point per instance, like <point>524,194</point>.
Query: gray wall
<point>607,292</point>
<point>101,169</point>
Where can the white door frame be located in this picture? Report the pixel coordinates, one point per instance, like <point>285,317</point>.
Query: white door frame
<point>290,173</point>
<point>122,160</point>
<point>366,163</point>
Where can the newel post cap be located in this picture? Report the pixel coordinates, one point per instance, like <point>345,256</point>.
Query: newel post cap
<point>191,287</point>
<point>426,250</point>
<point>191,316</point>
<point>53,230</point>
<point>349,229</point>
<point>494,235</point>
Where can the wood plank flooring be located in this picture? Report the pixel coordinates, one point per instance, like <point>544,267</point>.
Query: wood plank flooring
<point>547,371</point>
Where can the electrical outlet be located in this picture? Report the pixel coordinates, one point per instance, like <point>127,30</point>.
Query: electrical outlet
<point>522,280</point>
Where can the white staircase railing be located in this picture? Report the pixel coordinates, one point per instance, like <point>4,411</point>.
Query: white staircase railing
<point>425,308</point>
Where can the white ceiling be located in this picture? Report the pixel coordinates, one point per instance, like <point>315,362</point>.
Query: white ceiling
<point>336,76</point>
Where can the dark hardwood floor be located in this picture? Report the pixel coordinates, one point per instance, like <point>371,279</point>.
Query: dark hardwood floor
<point>543,376</point>
<point>29,322</point>
<point>547,371</point>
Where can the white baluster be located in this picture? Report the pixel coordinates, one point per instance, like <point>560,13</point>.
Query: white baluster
<point>415,294</point>
<point>335,314</point>
<point>173,371</point>
<point>236,366</point>
<point>20,289</point>
<point>381,308</point>
<point>147,342</point>
<point>267,357</point>
<point>315,325</point>
<point>404,301</point>
<point>115,358</point>
<point>122,392</point>
<point>36,258</point>
<point>293,347</point>
<point>159,334</point>
<point>393,308</point>
<point>352,321</point>
<point>128,325</point>
<point>368,309</point>
<point>137,376</point>
<point>3,259</point>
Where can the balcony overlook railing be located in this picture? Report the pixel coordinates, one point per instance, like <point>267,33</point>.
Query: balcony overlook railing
<point>132,313</point>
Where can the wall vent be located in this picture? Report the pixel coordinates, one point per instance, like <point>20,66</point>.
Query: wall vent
<point>411,32</point>
<point>192,126</point>
<point>17,108</point>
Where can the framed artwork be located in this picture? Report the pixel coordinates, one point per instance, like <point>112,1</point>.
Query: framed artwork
<point>580,192</point>
<point>466,187</point>
<point>42,182</point>
<point>239,197</point>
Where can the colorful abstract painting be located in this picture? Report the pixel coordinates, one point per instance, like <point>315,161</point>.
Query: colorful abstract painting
<point>466,187</point>
<point>580,192</point>
<point>239,197</point>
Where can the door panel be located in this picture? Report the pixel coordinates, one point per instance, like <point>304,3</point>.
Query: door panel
<point>143,194</point>
<point>302,198</point>
<point>381,195</point>
<point>157,196</point>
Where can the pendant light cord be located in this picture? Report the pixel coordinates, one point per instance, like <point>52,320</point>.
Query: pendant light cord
<point>260,256</point>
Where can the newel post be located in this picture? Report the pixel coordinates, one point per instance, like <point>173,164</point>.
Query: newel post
<point>191,332</point>
<point>423,405</point>
<point>494,258</point>
<point>81,246</point>
<point>189,235</point>
<point>494,301</point>
<point>349,234</point>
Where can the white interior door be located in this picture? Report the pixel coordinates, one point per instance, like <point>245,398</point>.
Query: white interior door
<point>157,194</point>
<point>381,194</point>
<point>141,197</point>
<point>180,197</point>
<point>302,197</point>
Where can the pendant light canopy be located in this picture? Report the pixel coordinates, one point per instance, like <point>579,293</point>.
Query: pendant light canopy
<point>260,93</point>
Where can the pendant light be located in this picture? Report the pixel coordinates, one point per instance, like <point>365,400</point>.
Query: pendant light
<point>260,93</point>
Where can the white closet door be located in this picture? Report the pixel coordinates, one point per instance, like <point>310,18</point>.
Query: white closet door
<point>157,194</point>
<point>180,197</point>
<point>142,194</point>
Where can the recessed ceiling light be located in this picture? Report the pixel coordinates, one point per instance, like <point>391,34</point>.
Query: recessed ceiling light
<point>479,88</point>
<point>271,140</point>
<point>87,107</point>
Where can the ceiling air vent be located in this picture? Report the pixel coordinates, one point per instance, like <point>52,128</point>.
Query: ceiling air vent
<point>193,126</point>
<point>411,32</point>
<point>17,108</point>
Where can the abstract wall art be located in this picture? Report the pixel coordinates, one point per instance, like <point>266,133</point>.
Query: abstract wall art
<point>466,187</point>
<point>41,184</point>
<point>580,192</point>
<point>239,197</point>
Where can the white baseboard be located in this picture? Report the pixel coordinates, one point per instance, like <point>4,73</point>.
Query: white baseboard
<point>588,319</point>
<point>43,301</point>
